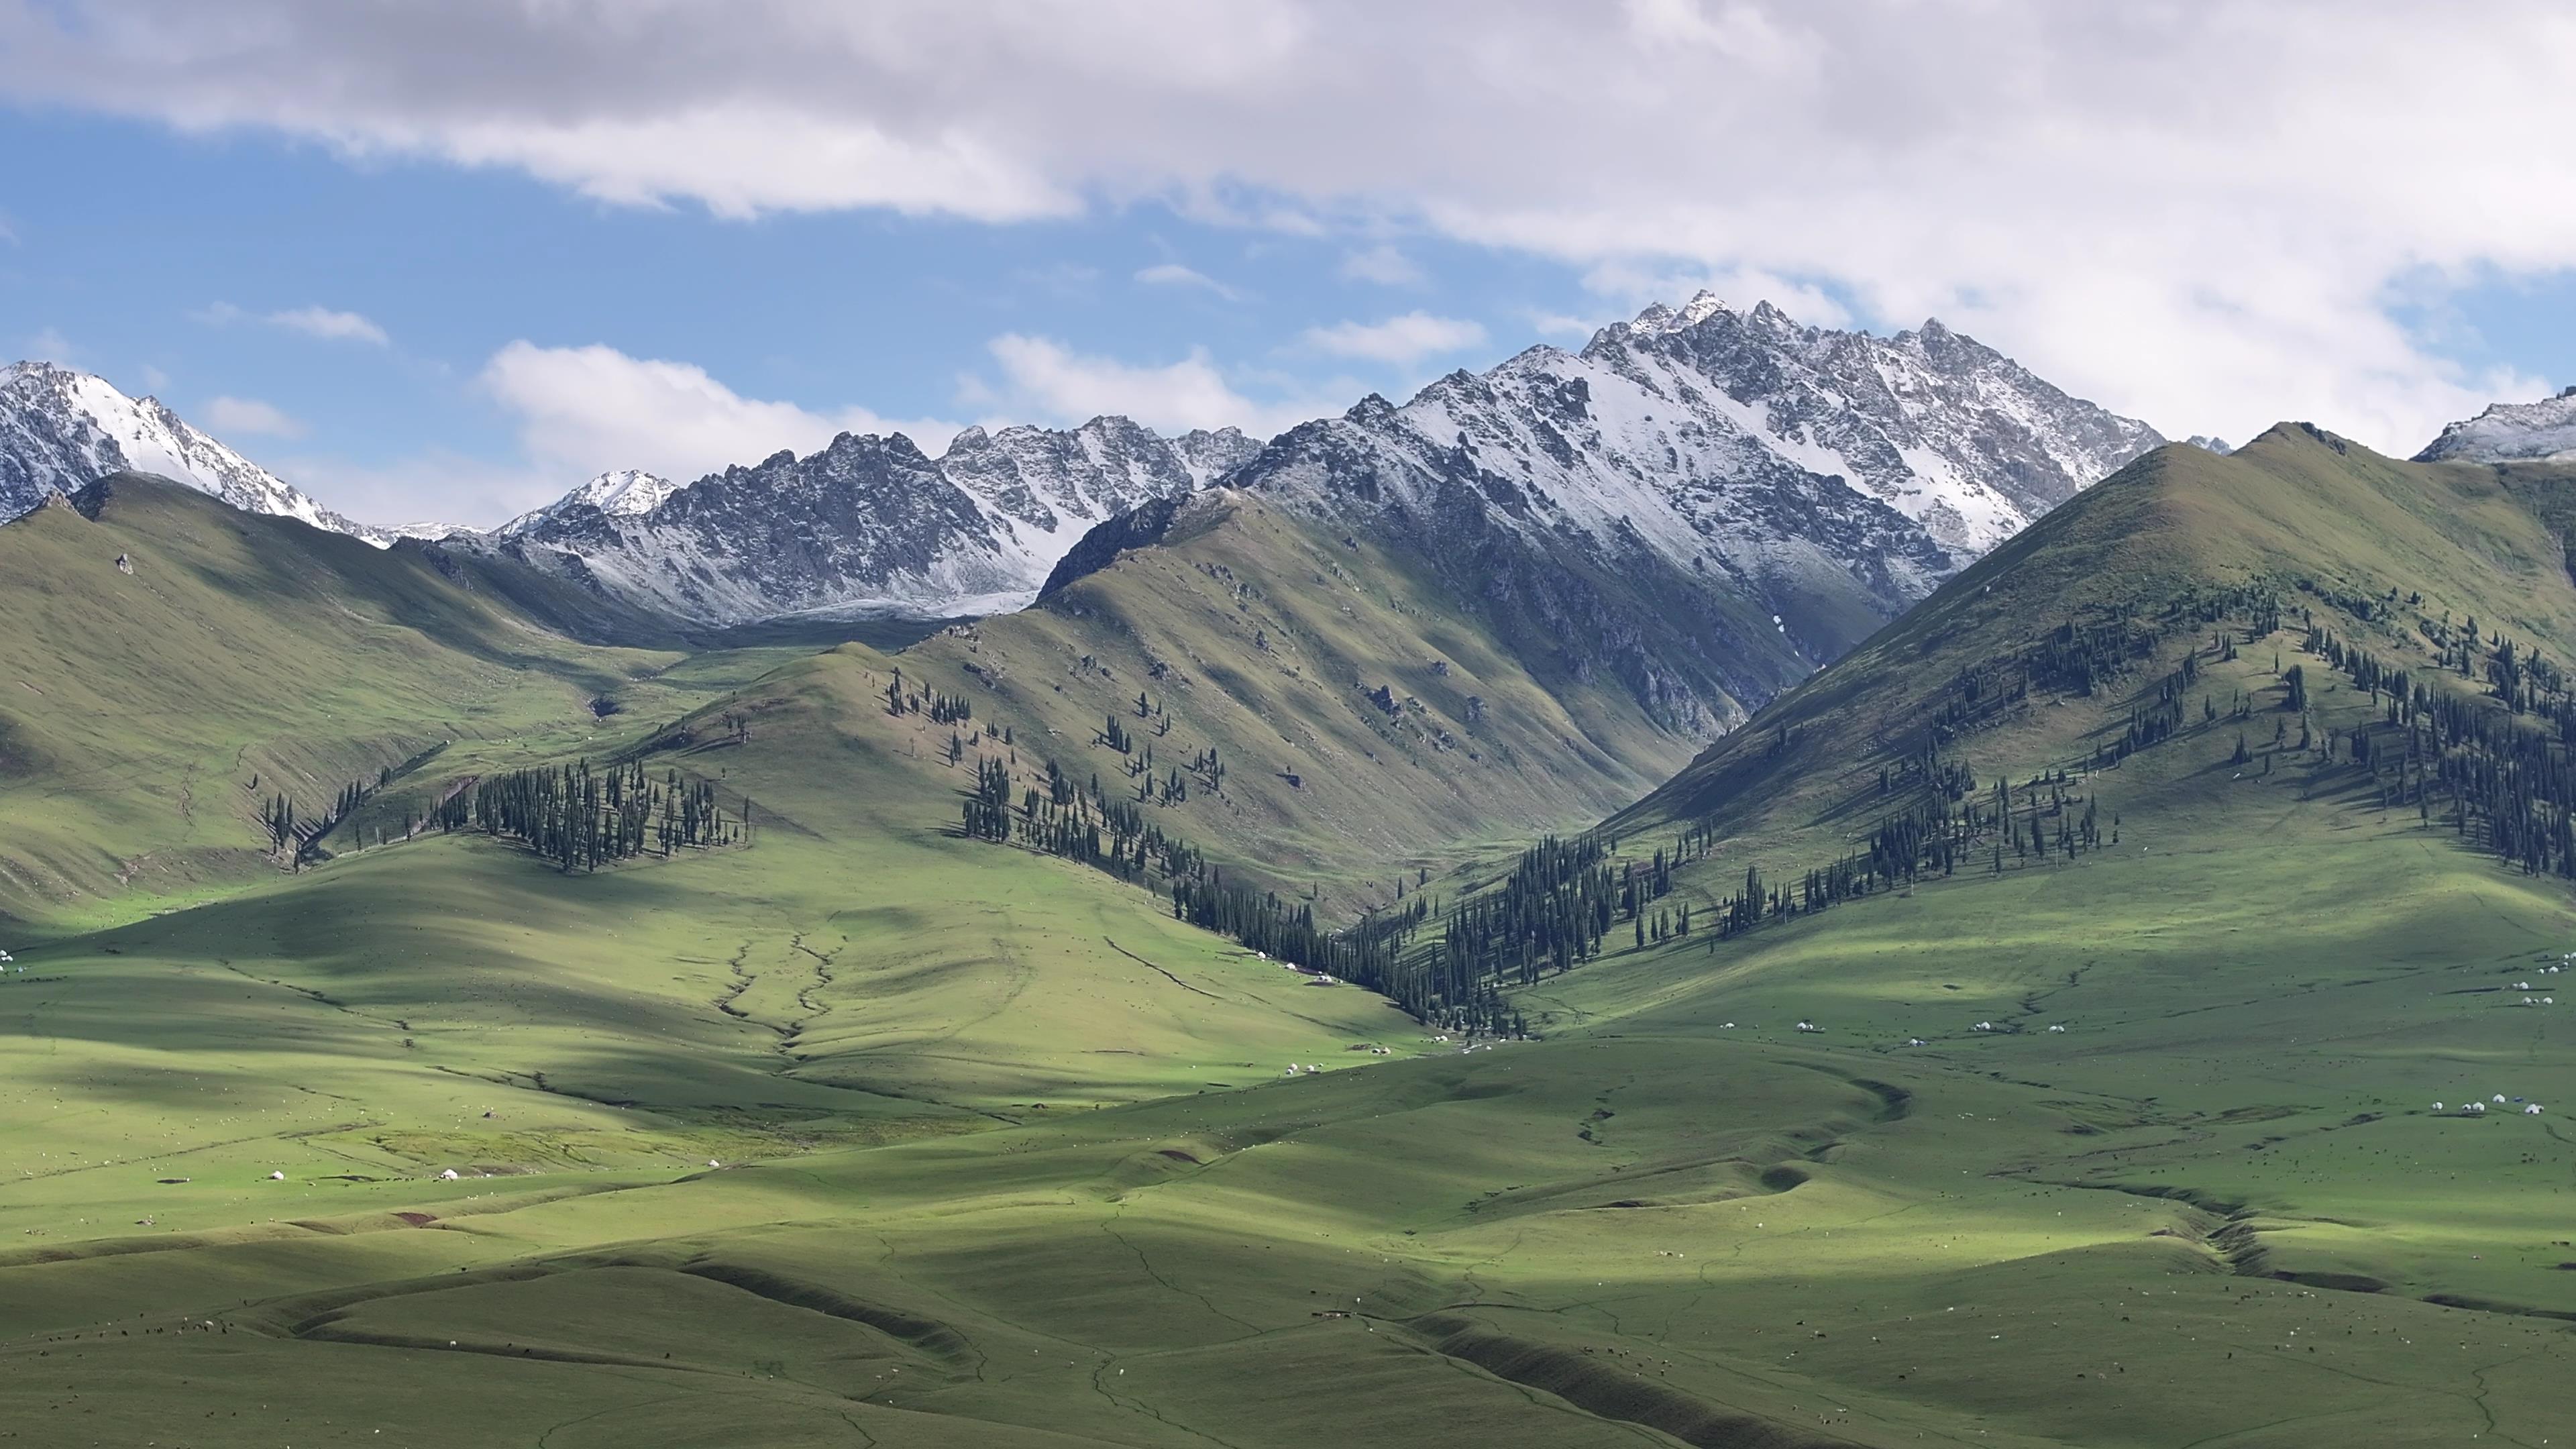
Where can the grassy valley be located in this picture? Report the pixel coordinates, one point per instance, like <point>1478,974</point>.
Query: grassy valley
<point>862,1131</point>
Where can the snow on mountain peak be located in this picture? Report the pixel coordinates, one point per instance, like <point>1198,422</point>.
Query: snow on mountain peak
<point>867,525</point>
<point>2543,431</point>
<point>1739,445</point>
<point>626,492</point>
<point>61,429</point>
<point>1703,305</point>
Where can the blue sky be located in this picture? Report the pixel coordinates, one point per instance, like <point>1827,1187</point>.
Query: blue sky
<point>167,280</point>
<point>447,261</point>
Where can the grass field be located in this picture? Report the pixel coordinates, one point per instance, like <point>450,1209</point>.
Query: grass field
<point>867,1134</point>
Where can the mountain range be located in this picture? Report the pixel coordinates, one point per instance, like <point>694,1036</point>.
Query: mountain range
<point>865,526</point>
<point>1719,441</point>
<point>1828,477</point>
<point>1738,443</point>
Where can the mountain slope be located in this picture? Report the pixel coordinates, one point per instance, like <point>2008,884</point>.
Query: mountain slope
<point>1369,718</point>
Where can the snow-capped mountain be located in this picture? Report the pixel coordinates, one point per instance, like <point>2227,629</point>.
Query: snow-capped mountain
<point>2543,431</point>
<point>61,429</point>
<point>1782,456</point>
<point>1947,431</point>
<point>1741,442</point>
<point>867,525</point>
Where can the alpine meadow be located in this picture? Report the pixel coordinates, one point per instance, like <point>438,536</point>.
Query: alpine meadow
<point>1759,879</point>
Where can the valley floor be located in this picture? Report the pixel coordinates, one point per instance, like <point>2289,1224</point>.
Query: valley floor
<point>858,1160</point>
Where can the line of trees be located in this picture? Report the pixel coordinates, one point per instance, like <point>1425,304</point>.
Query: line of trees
<point>582,818</point>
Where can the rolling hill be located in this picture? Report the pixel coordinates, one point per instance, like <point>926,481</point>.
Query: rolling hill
<point>174,664</point>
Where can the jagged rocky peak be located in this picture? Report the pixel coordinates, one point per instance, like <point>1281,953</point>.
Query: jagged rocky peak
<point>866,525</point>
<point>62,429</point>
<point>1041,476</point>
<point>1210,454</point>
<point>2543,431</point>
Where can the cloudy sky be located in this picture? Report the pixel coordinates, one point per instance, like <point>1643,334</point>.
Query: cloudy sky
<point>448,259</point>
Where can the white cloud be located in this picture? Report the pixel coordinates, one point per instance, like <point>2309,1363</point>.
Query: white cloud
<point>1382,264</point>
<point>1173,274</point>
<point>153,378</point>
<point>245,415</point>
<point>1401,340</point>
<point>2193,211</point>
<point>584,410</point>
<point>331,326</point>
<point>1560,324</point>
<point>318,322</point>
<point>1045,379</point>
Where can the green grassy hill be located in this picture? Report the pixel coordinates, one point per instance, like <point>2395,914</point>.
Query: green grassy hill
<point>2321,526</point>
<point>871,1133</point>
<point>151,715</point>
